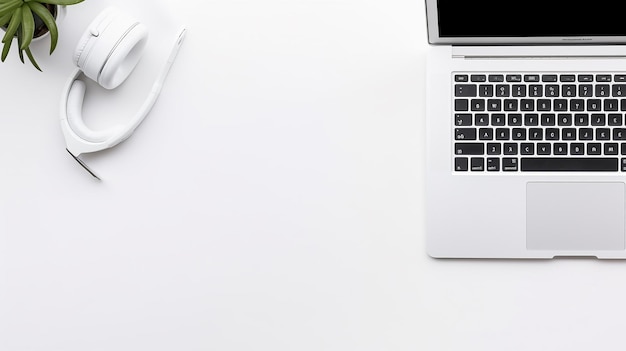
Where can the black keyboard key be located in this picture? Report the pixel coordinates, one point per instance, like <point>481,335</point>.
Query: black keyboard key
<point>623,149</point>
<point>560,105</point>
<point>527,105</point>
<point>518,134</point>
<point>509,164</point>
<point>564,119</point>
<point>619,133</point>
<point>581,119</point>
<point>513,78</point>
<point>535,134</point>
<point>610,149</point>
<point>478,78</point>
<point>549,78</point>
<point>560,149</point>
<point>477,105</point>
<point>577,105</point>
<point>494,105</point>
<point>585,134</point>
<point>615,119</point>
<point>544,148</point>
<point>463,119</point>
<point>598,119</point>
<point>548,119</point>
<point>618,90</point>
<point>460,164</point>
<point>568,134</point>
<point>552,90</point>
<point>477,164</point>
<point>493,164</point>
<point>535,90</point>
<point>481,119</point>
<point>461,78</point>
<point>469,148</point>
<point>503,134</point>
<point>510,148</point>
<point>531,78</point>
<point>494,148</point>
<point>485,134</point>
<point>553,134</point>
<point>527,149</point>
<point>577,149</point>
<point>496,78</point>
<point>566,78</point>
<point>531,119</point>
<point>518,90</point>
<point>514,119</point>
<point>620,78</point>
<point>603,134</point>
<point>603,90</point>
<point>465,90</point>
<point>594,149</point>
<point>485,90</point>
<point>568,90</point>
<point>498,119</point>
<point>585,90</point>
<point>573,164</point>
<point>585,78</point>
<point>503,90</point>
<point>544,105</point>
<point>465,134</point>
<point>461,105</point>
<point>510,104</point>
<point>611,105</point>
<point>603,78</point>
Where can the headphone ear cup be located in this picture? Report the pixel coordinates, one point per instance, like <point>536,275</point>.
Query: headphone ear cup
<point>110,48</point>
<point>124,57</point>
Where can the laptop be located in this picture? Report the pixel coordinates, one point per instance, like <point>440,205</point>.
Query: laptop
<point>526,132</point>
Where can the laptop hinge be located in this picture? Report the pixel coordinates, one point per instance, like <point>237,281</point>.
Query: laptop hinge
<point>539,52</point>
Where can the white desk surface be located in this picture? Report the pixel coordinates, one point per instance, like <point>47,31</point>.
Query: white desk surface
<point>273,200</point>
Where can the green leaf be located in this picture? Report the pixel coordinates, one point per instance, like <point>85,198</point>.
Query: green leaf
<point>32,59</point>
<point>20,52</point>
<point>60,2</point>
<point>28,27</point>
<point>5,49</point>
<point>5,19</point>
<point>9,7</point>
<point>13,25</point>
<point>48,20</point>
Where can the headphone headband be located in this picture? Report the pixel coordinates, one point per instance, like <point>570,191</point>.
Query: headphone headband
<point>108,52</point>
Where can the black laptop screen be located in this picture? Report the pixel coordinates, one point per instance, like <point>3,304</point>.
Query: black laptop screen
<point>530,18</point>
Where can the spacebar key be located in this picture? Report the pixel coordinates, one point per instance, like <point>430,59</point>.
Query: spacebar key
<point>556,164</point>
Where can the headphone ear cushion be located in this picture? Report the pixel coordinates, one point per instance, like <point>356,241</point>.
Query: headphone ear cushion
<point>124,57</point>
<point>80,47</point>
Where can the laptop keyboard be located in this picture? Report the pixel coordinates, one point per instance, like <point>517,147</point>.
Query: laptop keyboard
<point>539,122</point>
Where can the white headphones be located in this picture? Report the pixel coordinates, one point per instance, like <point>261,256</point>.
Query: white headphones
<point>107,53</point>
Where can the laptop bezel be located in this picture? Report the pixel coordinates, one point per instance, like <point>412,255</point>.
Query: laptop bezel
<point>432,22</point>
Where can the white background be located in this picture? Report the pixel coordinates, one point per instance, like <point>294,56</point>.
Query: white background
<point>273,200</point>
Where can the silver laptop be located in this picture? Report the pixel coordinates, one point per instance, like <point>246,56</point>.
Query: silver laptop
<point>526,133</point>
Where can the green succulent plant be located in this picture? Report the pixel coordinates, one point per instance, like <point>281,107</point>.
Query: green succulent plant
<point>19,17</point>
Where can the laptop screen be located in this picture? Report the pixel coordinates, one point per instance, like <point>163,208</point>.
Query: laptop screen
<point>499,21</point>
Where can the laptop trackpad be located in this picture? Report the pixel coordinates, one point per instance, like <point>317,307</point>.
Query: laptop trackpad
<point>575,216</point>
